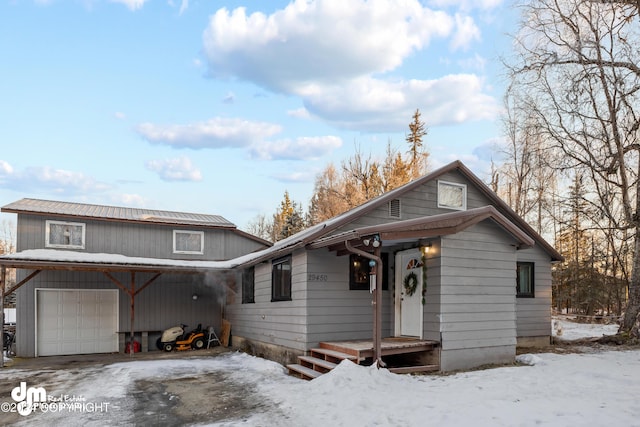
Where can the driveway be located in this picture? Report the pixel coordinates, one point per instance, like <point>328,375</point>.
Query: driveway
<point>155,388</point>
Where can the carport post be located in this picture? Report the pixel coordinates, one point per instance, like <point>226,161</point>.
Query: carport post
<point>132,295</point>
<point>3,278</point>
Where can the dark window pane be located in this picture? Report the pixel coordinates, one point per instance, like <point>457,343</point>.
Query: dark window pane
<point>525,286</point>
<point>281,280</point>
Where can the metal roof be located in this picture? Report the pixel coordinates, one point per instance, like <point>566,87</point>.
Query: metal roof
<point>113,213</point>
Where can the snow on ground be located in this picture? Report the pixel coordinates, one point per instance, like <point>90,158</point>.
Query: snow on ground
<point>568,331</point>
<point>598,387</point>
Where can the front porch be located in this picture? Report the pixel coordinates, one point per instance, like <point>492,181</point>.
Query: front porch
<point>401,354</point>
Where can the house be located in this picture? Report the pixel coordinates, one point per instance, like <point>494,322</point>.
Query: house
<point>440,269</point>
<point>89,274</point>
<point>456,269</point>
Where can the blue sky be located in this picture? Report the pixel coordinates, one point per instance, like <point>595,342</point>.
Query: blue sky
<point>220,106</point>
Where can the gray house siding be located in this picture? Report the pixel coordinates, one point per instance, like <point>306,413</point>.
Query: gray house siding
<point>422,201</point>
<point>534,314</point>
<point>137,239</point>
<point>322,307</point>
<point>335,312</point>
<point>277,323</point>
<point>478,319</point>
<point>433,297</point>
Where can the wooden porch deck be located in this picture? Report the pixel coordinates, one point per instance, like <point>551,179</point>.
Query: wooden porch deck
<point>328,354</point>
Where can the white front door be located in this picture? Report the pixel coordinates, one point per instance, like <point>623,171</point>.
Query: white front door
<point>409,306</point>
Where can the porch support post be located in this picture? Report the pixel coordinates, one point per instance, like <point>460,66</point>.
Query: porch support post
<point>377,306</point>
<point>3,278</point>
<point>376,301</point>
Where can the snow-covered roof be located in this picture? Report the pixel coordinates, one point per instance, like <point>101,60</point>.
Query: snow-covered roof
<point>55,258</point>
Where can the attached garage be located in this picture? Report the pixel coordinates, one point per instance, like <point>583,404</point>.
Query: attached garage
<point>76,321</point>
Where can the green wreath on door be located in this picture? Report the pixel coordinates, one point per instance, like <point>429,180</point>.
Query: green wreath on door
<point>410,283</point>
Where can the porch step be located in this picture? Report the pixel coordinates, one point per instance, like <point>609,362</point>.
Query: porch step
<point>328,355</point>
<point>332,355</point>
<point>316,364</point>
<point>303,372</point>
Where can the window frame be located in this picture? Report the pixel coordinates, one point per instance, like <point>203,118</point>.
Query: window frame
<point>449,184</point>
<point>354,285</point>
<point>532,291</point>
<point>47,236</point>
<point>248,286</point>
<point>281,291</point>
<point>200,233</point>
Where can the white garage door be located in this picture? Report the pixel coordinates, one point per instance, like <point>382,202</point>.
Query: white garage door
<point>76,321</point>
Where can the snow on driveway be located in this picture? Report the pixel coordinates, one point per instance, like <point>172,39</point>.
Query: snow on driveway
<point>598,388</point>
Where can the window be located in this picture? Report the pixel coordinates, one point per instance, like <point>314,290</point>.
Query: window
<point>394,208</point>
<point>188,242</point>
<point>359,272</point>
<point>64,235</point>
<point>281,279</point>
<point>524,280</point>
<point>248,286</point>
<point>452,195</point>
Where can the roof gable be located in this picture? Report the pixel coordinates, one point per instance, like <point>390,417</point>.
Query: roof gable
<point>330,226</point>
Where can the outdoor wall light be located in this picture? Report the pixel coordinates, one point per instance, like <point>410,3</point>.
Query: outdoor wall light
<point>425,248</point>
<point>194,296</point>
<point>373,241</point>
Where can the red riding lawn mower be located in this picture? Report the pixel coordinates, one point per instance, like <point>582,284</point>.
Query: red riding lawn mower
<point>176,338</point>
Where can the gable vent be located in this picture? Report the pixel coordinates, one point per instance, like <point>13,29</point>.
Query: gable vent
<point>394,208</point>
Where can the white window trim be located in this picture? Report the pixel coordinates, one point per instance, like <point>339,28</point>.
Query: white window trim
<point>201,233</point>
<point>464,195</point>
<point>47,244</point>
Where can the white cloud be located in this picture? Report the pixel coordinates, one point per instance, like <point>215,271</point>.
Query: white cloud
<point>476,62</point>
<point>299,113</point>
<point>304,148</point>
<point>466,32</point>
<point>386,105</point>
<point>5,168</point>
<point>131,4</point>
<point>132,200</point>
<point>296,177</point>
<point>467,4</point>
<point>48,180</point>
<point>184,5</point>
<point>320,41</point>
<point>337,56</point>
<point>214,133</point>
<point>176,169</point>
<point>119,115</point>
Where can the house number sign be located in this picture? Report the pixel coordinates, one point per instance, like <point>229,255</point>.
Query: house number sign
<point>312,277</point>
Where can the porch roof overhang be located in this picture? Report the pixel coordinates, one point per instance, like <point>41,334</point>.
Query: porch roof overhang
<point>425,228</point>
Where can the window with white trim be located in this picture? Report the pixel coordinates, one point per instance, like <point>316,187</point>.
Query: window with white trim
<point>188,242</point>
<point>452,195</point>
<point>68,235</point>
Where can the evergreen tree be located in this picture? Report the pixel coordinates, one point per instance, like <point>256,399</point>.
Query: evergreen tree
<point>417,153</point>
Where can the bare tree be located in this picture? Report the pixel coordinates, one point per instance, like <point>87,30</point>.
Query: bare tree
<point>578,61</point>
